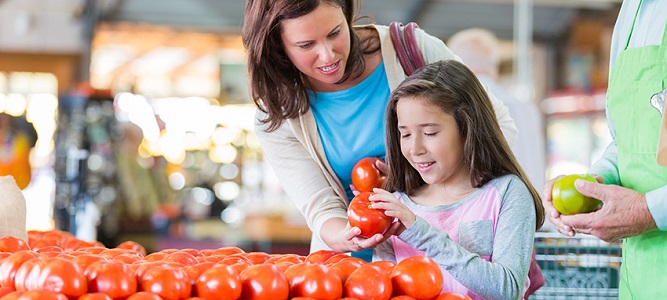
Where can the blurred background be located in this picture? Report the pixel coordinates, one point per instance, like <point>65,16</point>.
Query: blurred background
<point>144,127</point>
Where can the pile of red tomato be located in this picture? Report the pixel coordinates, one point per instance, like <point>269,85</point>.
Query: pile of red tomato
<point>56,265</point>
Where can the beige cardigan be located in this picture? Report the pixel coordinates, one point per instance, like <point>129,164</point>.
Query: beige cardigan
<point>12,209</point>
<point>296,154</point>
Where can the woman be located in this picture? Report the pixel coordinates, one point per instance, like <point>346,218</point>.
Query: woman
<point>322,86</point>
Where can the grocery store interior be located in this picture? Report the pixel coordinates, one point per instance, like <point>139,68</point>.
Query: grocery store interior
<point>145,130</point>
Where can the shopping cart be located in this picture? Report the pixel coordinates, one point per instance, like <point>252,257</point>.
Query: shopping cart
<point>580,267</point>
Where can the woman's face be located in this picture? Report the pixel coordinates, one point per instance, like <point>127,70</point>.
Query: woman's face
<point>318,44</point>
<point>430,141</point>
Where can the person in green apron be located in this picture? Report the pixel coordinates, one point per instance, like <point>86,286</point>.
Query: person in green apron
<point>633,186</point>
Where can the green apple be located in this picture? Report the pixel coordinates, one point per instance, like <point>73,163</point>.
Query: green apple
<point>566,198</point>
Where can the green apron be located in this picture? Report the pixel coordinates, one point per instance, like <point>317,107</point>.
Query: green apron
<point>638,74</point>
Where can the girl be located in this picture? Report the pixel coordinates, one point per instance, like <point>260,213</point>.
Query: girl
<point>461,197</point>
<point>321,86</point>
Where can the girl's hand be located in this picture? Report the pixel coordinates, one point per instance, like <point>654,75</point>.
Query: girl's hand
<point>393,207</point>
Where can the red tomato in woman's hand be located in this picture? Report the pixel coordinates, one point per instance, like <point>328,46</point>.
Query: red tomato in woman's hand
<point>366,176</point>
<point>417,276</point>
<point>370,220</point>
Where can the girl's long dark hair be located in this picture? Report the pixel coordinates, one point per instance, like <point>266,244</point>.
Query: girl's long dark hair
<point>277,87</point>
<point>455,89</point>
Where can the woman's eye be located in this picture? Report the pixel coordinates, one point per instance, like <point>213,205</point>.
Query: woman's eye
<point>335,33</point>
<point>305,46</point>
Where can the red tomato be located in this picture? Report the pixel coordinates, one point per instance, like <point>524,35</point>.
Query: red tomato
<point>335,258</point>
<point>227,251</point>
<point>417,276</point>
<point>41,295</point>
<point>320,256</point>
<point>195,271</point>
<point>219,282</point>
<point>11,264</point>
<point>369,282</point>
<point>12,244</point>
<point>95,296</point>
<point>27,275</point>
<point>370,220</point>
<point>257,258</point>
<point>291,271</point>
<point>111,253</point>
<point>134,246</point>
<point>4,254</point>
<point>156,256</point>
<point>127,259</point>
<point>12,295</point>
<point>63,276</point>
<point>144,296</point>
<point>402,297</point>
<point>182,257</point>
<point>366,176</point>
<point>316,281</point>
<point>112,278</point>
<point>46,249</point>
<point>5,291</point>
<point>84,260</point>
<point>144,267</point>
<point>264,282</point>
<point>92,250</point>
<point>234,259</point>
<point>452,296</point>
<point>345,267</point>
<point>167,282</point>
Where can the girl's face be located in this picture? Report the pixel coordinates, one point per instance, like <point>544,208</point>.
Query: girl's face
<point>430,141</point>
<point>318,44</point>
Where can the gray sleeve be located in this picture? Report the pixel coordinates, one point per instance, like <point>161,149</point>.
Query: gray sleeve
<point>505,276</point>
<point>384,251</point>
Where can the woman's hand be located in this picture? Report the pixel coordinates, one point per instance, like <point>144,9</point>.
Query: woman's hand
<point>340,236</point>
<point>393,207</point>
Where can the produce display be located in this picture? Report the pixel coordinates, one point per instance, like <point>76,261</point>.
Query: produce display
<point>56,265</point>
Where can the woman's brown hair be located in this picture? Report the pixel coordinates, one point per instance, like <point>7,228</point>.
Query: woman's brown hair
<point>277,87</point>
<point>451,86</point>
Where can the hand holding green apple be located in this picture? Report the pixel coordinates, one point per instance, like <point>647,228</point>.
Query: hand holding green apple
<point>568,201</point>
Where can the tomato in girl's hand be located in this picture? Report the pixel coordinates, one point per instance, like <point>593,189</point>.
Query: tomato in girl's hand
<point>370,220</point>
<point>366,176</point>
<point>567,200</point>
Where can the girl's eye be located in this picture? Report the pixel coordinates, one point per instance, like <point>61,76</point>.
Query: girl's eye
<point>406,135</point>
<point>430,133</point>
<point>305,46</point>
